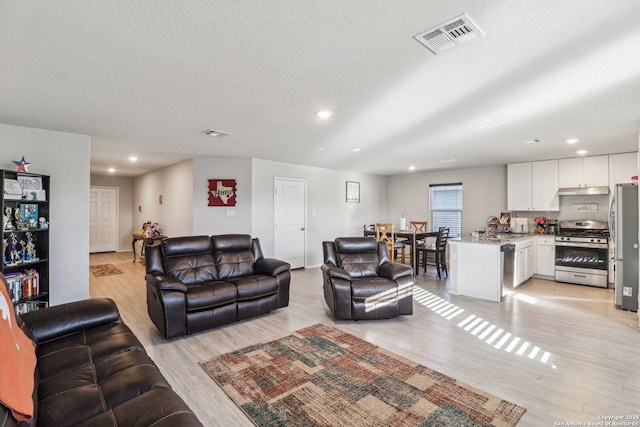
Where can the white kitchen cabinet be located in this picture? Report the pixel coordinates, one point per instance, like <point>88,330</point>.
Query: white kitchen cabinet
<point>524,262</point>
<point>533,186</point>
<point>621,168</point>
<point>583,171</point>
<point>519,186</point>
<point>545,259</point>
<point>544,186</point>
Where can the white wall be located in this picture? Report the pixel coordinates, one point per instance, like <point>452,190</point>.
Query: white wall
<point>175,185</point>
<point>484,192</point>
<point>125,206</point>
<point>326,196</point>
<point>65,158</point>
<point>210,220</point>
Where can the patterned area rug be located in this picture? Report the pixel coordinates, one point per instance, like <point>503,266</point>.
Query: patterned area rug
<point>104,270</point>
<point>321,376</point>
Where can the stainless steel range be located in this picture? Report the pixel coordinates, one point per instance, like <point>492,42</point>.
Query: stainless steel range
<point>582,253</point>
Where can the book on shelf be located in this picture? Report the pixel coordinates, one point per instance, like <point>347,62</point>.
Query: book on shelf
<point>27,306</point>
<point>23,285</point>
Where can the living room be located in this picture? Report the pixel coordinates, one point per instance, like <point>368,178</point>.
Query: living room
<point>74,143</point>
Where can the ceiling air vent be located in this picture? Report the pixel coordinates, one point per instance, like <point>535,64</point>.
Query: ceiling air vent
<point>449,34</point>
<point>215,133</point>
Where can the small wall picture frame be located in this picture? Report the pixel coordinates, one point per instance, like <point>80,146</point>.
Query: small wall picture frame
<point>353,192</point>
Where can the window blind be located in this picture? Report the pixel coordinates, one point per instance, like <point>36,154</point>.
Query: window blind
<point>445,201</point>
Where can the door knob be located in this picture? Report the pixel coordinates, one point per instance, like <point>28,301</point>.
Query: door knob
<point>635,246</point>
<point>302,229</point>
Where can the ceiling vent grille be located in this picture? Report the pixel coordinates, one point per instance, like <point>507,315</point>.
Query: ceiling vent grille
<point>215,133</point>
<point>449,34</point>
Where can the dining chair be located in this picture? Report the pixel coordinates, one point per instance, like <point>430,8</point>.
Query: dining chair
<point>435,254</point>
<point>384,233</point>
<point>416,227</point>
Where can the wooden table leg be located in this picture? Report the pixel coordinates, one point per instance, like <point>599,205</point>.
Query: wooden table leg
<point>133,246</point>
<point>414,255</point>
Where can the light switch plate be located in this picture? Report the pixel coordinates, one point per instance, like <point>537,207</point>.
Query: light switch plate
<point>231,212</point>
<point>627,291</point>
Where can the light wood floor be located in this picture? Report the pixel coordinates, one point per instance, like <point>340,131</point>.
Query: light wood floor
<point>570,355</point>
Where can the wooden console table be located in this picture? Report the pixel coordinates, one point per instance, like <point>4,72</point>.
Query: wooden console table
<point>147,241</point>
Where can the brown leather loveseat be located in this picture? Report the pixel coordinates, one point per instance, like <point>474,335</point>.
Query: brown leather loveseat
<point>90,370</point>
<point>361,282</point>
<point>195,283</point>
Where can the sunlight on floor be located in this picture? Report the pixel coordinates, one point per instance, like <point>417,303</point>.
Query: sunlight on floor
<point>482,329</point>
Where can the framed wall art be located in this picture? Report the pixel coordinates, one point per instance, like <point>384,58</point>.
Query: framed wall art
<point>353,192</point>
<point>222,192</point>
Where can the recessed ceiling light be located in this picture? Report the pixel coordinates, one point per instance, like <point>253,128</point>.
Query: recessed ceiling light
<point>215,133</point>
<point>581,152</point>
<point>490,126</point>
<point>412,168</point>
<point>532,141</point>
<point>133,159</point>
<point>111,170</point>
<point>324,114</point>
<point>572,140</point>
<point>448,160</point>
<point>356,149</point>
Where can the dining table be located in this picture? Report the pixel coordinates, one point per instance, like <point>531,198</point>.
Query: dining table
<point>412,236</point>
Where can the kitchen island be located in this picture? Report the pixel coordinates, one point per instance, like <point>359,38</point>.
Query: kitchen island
<point>478,268</point>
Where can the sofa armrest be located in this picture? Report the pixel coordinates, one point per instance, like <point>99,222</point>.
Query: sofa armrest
<point>394,270</point>
<point>333,271</point>
<point>271,266</point>
<point>49,323</point>
<point>165,282</point>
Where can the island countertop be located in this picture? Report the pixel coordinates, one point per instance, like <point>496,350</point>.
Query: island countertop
<point>498,239</point>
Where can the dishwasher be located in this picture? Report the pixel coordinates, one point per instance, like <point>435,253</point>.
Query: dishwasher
<point>507,252</point>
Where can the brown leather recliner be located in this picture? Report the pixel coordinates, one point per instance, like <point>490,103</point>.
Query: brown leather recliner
<point>198,282</point>
<point>361,282</point>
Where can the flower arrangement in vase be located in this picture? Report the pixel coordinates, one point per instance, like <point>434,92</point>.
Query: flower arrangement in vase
<point>542,224</point>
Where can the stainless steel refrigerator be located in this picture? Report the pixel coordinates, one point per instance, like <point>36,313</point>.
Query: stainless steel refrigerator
<point>624,235</point>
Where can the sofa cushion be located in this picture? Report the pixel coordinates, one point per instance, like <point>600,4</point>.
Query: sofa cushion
<point>181,246</point>
<point>233,255</point>
<point>157,407</point>
<point>372,289</point>
<point>254,286</point>
<point>359,265</point>
<point>71,352</point>
<point>358,256</point>
<point>190,269</point>
<point>207,295</point>
<point>96,388</point>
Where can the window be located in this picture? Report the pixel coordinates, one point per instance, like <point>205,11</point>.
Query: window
<point>445,201</point>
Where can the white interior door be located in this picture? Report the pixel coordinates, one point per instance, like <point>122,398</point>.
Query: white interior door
<point>103,219</point>
<point>290,221</point>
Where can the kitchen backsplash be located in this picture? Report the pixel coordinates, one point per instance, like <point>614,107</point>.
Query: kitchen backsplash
<point>594,208</point>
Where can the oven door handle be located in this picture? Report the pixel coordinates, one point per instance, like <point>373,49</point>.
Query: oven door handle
<point>582,245</point>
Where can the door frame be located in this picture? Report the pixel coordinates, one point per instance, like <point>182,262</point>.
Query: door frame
<point>117,216</point>
<point>275,231</point>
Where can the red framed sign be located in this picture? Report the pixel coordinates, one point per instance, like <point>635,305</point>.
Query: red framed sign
<point>222,192</point>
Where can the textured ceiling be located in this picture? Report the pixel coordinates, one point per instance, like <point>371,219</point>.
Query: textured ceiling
<point>147,77</point>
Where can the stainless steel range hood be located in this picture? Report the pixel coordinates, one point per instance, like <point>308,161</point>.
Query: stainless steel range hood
<point>583,191</point>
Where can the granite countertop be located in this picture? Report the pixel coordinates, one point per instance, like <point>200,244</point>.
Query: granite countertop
<point>497,239</point>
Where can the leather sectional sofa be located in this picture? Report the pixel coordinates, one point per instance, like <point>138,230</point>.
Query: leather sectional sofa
<point>90,370</point>
<point>361,282</point>
<point>195,283</point>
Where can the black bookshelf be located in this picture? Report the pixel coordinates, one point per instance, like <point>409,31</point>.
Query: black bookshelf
<point>25,238</point>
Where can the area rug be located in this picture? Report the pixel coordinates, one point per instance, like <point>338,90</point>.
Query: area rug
<point>104,270</point>
<point>321,376</point>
